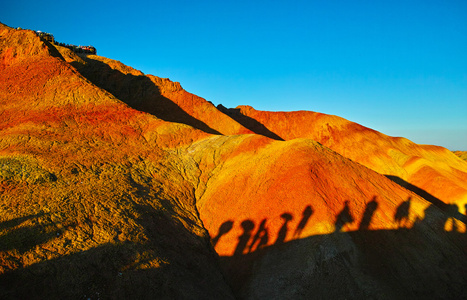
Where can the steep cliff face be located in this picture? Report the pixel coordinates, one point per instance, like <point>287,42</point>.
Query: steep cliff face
<point>434,169</point>
<point>116,184</point>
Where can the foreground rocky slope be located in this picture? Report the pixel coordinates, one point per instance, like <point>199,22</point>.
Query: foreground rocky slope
<point>93,205</point>
<point>113,182</point>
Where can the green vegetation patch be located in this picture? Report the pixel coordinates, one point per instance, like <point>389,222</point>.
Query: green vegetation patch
<point>24,169</point>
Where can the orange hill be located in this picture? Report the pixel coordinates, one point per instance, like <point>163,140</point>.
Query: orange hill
<point>116,184</point>
<point>433,169</point>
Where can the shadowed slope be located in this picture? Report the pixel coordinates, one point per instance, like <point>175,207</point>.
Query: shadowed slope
<point>160,97</point>
<point>432,168</point>
<point>380,264</point>
<point>139,92</point>
<point>248,122</point>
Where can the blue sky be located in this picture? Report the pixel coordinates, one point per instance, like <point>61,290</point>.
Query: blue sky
<point>399,67</point>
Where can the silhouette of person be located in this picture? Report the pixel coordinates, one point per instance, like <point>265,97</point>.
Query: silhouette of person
<point>306,214</point>
<point>368,214</point>
<point>401,217</point>
<point>243,239</point>
<point>264,240</point>
<point>224,229</point>
<point>283,231</point>
<point>433,217</point>
<point>261,237</point>
<point>344,217</point>
<point>452,210</point>
<point>464,217</point>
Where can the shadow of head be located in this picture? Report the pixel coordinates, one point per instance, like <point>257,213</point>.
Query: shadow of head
<point>223,229</point>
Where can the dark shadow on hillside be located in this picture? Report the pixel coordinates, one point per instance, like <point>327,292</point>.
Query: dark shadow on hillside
<point>171,263</point>
<point>281,235</point>
<point>22,238</point>
<point>224,229</point>
<point>451,209</point>
<point>26,238</point>
<point>401,217</point>
<point>17,221</point>
<point>306,214</point>
<point>247,227</point>
<point>248,122</point>
<point>368,214</point>
<point>261,237</point>
<point>381,264</point>
<point>139,92</point>
<point>343,218</point>
<point>52,50</point>
<point>420,262</point>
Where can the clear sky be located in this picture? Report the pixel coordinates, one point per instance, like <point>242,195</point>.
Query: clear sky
<point>399,67</point>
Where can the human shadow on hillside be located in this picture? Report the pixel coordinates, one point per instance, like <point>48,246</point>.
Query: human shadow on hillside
<point>248,122</point>
<point>450,209</point>
<point>306,214</point>
<point>167,262</point>
<point>420,262</point>
<point>401,216</point>
<point>343,218</point>
<point>261,237</point>
<point>368,214</point>
<point>224,229</point>
<point>139,92</point>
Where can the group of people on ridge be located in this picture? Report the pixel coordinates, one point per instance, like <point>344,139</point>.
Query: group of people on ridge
<point>77,49</point>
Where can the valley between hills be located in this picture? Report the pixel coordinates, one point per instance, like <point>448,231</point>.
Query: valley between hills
<point>119,185</point>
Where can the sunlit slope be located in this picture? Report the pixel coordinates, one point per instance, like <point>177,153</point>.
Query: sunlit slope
<point>433,169</point>
<point>294,220</point>
<point>254,178</point>
<point>93,204</point>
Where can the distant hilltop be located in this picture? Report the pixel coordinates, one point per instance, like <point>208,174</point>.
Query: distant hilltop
<point>77,49</point>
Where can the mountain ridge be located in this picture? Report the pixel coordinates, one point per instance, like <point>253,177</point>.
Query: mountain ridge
<point>387,155</point>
